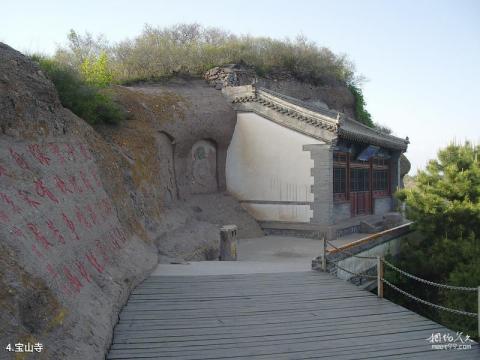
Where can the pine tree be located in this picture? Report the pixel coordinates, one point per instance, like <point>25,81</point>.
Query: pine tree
<point>445,205</point>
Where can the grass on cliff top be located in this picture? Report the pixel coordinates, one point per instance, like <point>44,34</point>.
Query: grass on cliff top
<point>84,98</point>
<point>86,64</point>
<point>191,49</point>
<point>194,49</point>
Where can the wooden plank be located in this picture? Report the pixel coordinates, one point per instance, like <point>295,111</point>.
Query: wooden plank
<point>305,321</point>
<point>338,303</point>
<point>266,316</point>
<point>282,336</point>
<point>315,345</point>
<point>269,333</point>
<point>411,340</point>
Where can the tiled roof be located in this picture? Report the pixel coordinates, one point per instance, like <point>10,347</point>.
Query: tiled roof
<point>334,121</point>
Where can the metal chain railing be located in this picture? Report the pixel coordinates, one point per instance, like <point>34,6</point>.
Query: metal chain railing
<point>455,311</point>
<point>443,286</point>
<point>353,273</point>
<point>381,280</point>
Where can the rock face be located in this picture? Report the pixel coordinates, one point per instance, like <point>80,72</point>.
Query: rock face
<point>82,209</point>
<point>336,97</point>
<point>174,145</point>
<point>67,259</point>
<point>230,75</point>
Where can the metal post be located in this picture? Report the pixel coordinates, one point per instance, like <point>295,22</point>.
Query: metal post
<point>324,255</point>
<point>379,276</point>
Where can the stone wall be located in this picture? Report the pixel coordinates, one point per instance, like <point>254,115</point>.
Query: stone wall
<point>322,187</point>
<point>382,205</point>
<point>341,211</point>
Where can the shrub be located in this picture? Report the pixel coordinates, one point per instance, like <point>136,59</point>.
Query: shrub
<point>193,49</point>
<point>95,71</point>
<point>361,113</point>
<point>85,100</point>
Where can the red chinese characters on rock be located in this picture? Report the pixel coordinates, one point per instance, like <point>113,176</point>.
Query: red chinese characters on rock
<point>19,159</point>
<point>86,182</point>
<point>93,261</point>
<point>7,200</point>
<point>43,191</point>
<point>42,240</point>
<point>81,218</point>
<point>51,270</point>
<point>26,197</point>
<point>92,214</point>
<point>38,154</point>
<point>76,187</point>
<point>56,150</point>
<point>83,271</point>
<point>61,185</point>
<point>73,280</point>
<point>70,225</point>
<point>56,232</point>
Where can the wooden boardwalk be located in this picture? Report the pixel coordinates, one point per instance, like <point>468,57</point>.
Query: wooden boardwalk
<point>301,315</point>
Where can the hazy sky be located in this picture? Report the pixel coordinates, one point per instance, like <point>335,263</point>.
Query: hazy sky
<point>421,58</point>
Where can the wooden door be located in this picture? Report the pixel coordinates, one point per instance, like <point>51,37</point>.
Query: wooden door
<point>361,203</point>
<point>360,194</point>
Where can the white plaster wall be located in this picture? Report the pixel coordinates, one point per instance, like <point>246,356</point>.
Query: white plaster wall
<point>279,212</point>
<point>266,162</point>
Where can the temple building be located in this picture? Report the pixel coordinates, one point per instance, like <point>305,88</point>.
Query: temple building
<point>301,168</point>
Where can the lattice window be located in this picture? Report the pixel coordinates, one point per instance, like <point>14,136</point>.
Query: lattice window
<point>359,179</point>
<point>339,157</point>
<point>380,162</point>
<point>339,180</point>
<point>380,180</point>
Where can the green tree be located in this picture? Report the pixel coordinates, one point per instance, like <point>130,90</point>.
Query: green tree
<point>96,71</point>
<point>445,205</point>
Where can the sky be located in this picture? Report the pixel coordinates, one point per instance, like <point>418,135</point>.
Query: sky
<point>421,58</point>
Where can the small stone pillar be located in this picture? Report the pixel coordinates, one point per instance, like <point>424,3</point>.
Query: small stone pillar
<point>228,243</point>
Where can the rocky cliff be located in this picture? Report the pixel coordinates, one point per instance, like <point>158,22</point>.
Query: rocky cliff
<point>85,212</point>
<point>68,259</point>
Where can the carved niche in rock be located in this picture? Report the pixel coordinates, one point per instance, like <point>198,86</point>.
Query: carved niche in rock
<point>166,143</point>
<point>204,167</point>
